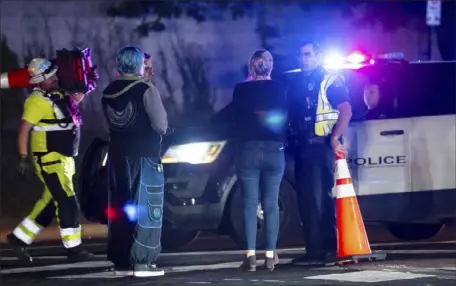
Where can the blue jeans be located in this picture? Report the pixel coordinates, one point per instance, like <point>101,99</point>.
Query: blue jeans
<point>260,166</point>
<point>136,194</point>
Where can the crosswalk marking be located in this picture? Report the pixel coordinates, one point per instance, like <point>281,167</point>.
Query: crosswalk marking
<point>370,276</point>
<point>57,267</point>
<point>51,257</point>
<point>97,275</point>
<point>178,269</point>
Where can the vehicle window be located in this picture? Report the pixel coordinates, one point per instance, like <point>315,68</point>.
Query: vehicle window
<point>428,89</point>
<point>373,94</point>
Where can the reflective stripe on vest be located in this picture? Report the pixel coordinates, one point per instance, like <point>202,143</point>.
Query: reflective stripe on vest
<point>326,116</point>
<point>59,115</point>
<point>54,127</point>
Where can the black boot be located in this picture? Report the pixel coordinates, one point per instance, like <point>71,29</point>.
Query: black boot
<point>249,263</point>
<point>19,247</point>
<point>77,254</point>
<point>270,263</point>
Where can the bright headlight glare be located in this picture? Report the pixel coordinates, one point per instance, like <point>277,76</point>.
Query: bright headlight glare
<point>193,153</point>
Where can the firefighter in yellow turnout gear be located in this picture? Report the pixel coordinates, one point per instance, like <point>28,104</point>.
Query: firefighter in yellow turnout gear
<point>54,122</point>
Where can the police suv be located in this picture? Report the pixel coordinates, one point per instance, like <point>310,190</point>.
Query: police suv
<point>401,155</point>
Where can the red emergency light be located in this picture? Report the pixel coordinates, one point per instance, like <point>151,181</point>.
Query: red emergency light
<point>110,214</point>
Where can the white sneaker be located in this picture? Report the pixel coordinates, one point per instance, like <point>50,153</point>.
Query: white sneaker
<point>142,270</point>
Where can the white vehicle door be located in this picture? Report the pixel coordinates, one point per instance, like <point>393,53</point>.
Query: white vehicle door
<point>433,141</point>
<point>379,151</point>
<point>379,161</point>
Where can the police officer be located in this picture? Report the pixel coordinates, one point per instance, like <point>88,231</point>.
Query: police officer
<point>54,120</point>
<point>319,113</point>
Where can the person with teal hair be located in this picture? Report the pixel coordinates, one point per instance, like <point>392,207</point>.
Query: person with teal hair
<point>137,121</point>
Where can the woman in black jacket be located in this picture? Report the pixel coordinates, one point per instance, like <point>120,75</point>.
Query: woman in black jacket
<point>260,116</point>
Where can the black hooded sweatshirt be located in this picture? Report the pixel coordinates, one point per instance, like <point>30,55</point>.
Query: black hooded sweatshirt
<point>136,118</point>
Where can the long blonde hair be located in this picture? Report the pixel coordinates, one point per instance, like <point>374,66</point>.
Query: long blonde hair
<point>261,64</point>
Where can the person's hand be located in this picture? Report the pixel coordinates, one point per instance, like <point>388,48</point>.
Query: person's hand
<point>23,166</point>
<point>337,147</point>
<point>78,97</point>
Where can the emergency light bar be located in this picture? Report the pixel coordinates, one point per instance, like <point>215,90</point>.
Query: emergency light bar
<point>356,60</point>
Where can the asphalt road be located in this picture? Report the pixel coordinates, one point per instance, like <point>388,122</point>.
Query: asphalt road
<point>406,264</point>
<point>215,260</point>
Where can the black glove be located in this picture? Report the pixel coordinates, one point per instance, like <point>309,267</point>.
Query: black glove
<point>23,166</point>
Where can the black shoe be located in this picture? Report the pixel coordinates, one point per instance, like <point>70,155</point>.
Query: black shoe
<point>249,263</point>
<point>144,270</point>
<point>19,247</point>
<point>330,258</point>
<point>79,255</point>
<point>270,263</point>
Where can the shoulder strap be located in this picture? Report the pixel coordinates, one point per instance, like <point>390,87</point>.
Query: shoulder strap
<point>127,88</point>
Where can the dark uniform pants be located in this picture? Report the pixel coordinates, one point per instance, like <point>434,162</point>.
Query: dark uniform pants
<point>314,173</point>
<point>58,200</point>
<point>136,190</point>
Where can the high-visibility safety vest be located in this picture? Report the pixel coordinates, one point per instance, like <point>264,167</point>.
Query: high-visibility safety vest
<point>327,115</point>
<point>60,123</point>
<point>62,136</point>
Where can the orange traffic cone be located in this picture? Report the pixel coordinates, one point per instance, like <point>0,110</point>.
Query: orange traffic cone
<point>352,241</point>
<point>15,79</point>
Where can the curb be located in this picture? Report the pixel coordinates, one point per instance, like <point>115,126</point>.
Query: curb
<point>52,233</point>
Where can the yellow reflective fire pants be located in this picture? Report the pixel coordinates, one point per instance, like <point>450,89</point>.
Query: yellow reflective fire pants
<point>58,200</point>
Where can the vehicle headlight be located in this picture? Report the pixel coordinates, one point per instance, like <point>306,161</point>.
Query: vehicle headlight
<point>193,153</point>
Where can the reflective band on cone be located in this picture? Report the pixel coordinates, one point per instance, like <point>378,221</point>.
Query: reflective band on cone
<point>15,79</point>
<point>342,169</point>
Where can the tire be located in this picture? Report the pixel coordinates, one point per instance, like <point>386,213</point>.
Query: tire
<point>174,239</point>
<point>414,231</point>
<point>289,222</point>
<point>92,184</point>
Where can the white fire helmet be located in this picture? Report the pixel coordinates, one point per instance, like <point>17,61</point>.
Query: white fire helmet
<point>40,70</point>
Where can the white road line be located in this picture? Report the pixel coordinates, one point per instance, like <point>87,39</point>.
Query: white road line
<point>88,264</point>
<point>180,269</point>
<point>98,275</point>
<point>386,244</point>
<point>280,252</point>
<point>167,270</point>
<point>370,276</point>
<point>46,257</point>
<point>451,269</point>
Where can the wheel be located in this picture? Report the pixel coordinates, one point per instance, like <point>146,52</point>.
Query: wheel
<point>289,222</point>
<point>174,239</point>
<point>92,184</point>
<point>414,231</point>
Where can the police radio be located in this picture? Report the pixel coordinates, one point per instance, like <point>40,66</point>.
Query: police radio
<point>76,72</point>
